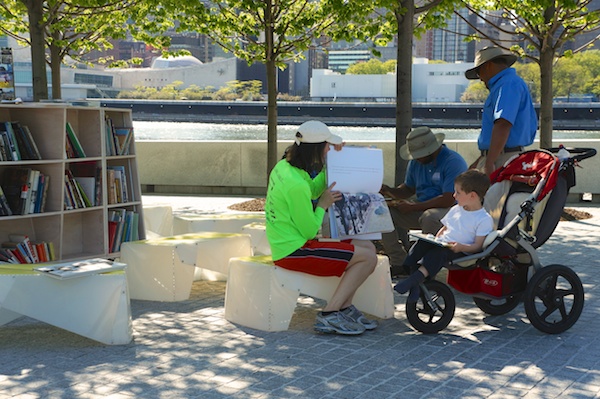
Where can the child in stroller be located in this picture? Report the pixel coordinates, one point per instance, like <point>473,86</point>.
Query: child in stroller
<point>465,227</point>
<point>526,200</point>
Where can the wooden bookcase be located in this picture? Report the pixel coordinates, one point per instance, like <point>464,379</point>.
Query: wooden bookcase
<point>75,233</point>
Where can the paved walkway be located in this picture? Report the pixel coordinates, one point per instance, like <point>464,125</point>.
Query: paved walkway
<point>188,350</point>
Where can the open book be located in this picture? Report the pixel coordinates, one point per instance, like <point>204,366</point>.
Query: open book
<point>430,238</point>
<point>363,212</point>
<point>68,270</point>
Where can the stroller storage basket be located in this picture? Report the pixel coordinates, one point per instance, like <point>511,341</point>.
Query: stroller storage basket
<point>482,282</point>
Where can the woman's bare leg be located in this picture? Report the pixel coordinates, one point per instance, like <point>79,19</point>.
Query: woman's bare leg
<point>359,268</point>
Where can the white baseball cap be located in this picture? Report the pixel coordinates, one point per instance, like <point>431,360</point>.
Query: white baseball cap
<point>316,132</point>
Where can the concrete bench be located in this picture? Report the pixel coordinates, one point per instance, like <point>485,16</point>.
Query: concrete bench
<point>221,223</point>
<point>164,269</point>
<point>95,306</point>
<point>263,296</point>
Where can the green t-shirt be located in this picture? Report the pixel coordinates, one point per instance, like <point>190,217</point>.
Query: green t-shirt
<point>290,218</point>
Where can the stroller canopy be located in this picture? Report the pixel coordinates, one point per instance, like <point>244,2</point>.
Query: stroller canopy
<point>530,167</point>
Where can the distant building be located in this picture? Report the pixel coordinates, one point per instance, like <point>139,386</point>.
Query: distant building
<point>430,83</point>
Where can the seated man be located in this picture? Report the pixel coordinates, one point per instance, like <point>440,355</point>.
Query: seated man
<point>430,176</point>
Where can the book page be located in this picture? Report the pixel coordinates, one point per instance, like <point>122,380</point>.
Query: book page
<point>362,212</point>
<point>355,169</point>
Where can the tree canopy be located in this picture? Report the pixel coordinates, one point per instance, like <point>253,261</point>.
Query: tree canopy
<point>73,28</point>
<point>273,32</point>
<point>372,67</point>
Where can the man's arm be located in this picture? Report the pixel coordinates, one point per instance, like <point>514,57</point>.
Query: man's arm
<point>400,192</point>
<point>500,133</point>
<point>445,200</point>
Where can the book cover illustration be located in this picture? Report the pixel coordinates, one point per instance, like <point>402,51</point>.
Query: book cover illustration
<point>363,212</point>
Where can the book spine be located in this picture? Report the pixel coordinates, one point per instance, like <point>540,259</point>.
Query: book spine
<point>14,149</point>
<point>72,137</point>
<point>4,204</point>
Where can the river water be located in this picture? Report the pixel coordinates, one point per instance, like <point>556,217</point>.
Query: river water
<point>191,131</point>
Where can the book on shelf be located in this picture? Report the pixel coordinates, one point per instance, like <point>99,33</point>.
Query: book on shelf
<point>7,256</point>
<point>24,250</point>
<point>29,137</point>
<point>124,136</point>
<point>25,143</point>
<point>111,148</point>
<point>68,270</point>
<point>10,141</point>
<point>74,197</point>
<point>4,207</point>
<point>16,185</point>
<point>42,193</point>
<point>87,186</point>
<point>27,244</point>
<point>34,182</point>
<point>120,183</point>
<point>73,140</point>
<point>362,213</point>
<point>118,217</point>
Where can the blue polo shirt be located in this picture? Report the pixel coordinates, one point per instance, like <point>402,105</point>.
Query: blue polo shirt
<point>509,99</point>
<point>437,177</point>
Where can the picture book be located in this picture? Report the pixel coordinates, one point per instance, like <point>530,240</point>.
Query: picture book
<point>430,238</point>
<point>69,270</point>
<point>362,213</point>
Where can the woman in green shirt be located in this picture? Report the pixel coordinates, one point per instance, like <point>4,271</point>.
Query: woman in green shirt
<point>293,223</point>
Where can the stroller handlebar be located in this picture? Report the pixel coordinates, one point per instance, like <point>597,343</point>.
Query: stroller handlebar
<point>577,153</point>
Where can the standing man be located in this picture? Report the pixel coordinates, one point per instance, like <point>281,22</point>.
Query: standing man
<point>509,120</point>
<point>430,176</point>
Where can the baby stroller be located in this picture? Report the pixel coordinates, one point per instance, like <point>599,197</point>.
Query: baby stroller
<point>529,193</point>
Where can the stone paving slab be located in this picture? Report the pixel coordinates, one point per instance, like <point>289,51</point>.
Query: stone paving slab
<point>188,350</point>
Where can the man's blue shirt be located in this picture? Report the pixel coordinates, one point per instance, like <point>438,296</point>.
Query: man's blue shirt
<point>509,99</point>
<point>435,178</point>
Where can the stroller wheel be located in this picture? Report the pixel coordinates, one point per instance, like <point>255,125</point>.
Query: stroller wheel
<point>432,317</point>
<point>496,307</point>
<point>554,299</point>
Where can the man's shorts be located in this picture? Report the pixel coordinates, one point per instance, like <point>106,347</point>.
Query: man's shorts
<point>319,258</point>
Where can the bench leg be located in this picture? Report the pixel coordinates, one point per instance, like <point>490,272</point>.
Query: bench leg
<point>375,296</point>
<point>255,299</point>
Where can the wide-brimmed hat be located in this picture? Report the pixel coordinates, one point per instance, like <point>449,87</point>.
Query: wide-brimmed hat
<point>487,54</point>
<point>421,142</point>
<point>316,132</point>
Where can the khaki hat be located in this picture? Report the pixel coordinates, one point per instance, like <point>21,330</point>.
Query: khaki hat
<point>421,142</point>
<point>316,132</point>
<point>487,54</point>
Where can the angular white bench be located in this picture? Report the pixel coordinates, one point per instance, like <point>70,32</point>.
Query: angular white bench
<point>164,269</point>
<point>221,223</point>
<point>95,306</point>
<point>158,220</point>
<point>263,296</point>
<point>258,237</point>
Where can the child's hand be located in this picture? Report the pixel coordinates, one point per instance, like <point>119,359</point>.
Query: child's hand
<point>456,247</point>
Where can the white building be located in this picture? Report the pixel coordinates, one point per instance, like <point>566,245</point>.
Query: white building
<point>430,83</point>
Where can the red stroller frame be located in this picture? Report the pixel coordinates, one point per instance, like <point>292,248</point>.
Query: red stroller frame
<point>508,270</point>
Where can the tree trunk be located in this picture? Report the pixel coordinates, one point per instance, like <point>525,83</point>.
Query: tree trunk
<point>272,157</point>
<point>403,82</point>
<point>546,111</point>
<point>55,63</point>
<point>38,49</point>
<point>271,93</point>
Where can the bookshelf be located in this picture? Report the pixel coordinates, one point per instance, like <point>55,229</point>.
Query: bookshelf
<point>80,229</point>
